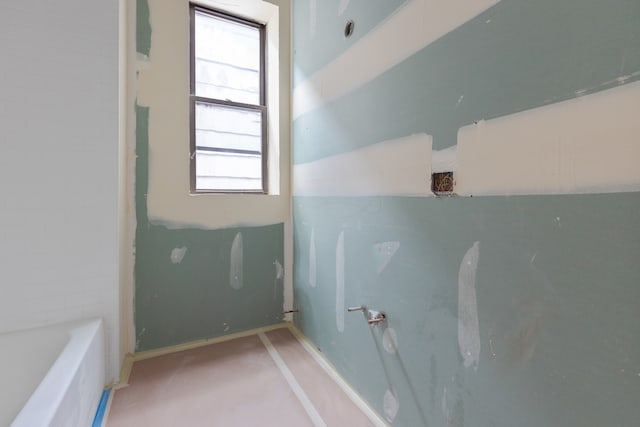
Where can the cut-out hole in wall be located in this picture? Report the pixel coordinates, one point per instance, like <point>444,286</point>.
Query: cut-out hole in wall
<point>442,183</point>
<point>348,28</point>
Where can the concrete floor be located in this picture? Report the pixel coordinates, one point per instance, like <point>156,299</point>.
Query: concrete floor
<point>268,379</point>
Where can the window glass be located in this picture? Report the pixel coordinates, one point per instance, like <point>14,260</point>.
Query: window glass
<point>227,60</point>
<point>228,133</point>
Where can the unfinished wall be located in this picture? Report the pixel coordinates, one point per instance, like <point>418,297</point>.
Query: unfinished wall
<point>59,165</point>
<point>205,265</point>
<point>502,311</point>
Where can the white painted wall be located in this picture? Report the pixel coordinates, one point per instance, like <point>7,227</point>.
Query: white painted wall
<point>59,165</point>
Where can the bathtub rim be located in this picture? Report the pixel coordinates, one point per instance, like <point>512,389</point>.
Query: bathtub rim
<point>42,406</point>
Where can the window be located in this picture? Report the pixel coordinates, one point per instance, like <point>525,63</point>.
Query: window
<point>228,149</point>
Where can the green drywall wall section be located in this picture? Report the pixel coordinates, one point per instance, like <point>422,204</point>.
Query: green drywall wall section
<point>515,56</point>
<point>557,281</point>
<point>183,285</point>
<point>324,29</point>
<point>558,291</point>
<point>143,28</point>
<point>191,297</point>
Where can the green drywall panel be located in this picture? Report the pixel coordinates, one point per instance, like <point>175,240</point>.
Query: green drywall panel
<point>320,24</point>
<point>515,56</point>
<point>143,27</point>
<point>557,282</point>
<point>192,298</point>
<point>142,163</point>
<point>558,291</point>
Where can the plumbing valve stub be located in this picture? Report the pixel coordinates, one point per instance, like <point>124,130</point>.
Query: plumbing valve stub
<point>376,317</point>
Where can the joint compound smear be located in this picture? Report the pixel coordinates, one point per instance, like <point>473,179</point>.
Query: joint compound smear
<point>312,260</point>
<point>444,404</point>
<point>340,282</point>
<point>390,340</point>
<point>177,254</point>
<point>235,272</point>
<point>468,327</point>
<point>279,270</point>
<point>390,405</point>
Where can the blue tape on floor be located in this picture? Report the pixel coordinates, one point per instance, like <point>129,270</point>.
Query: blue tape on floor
<point>102,408</point>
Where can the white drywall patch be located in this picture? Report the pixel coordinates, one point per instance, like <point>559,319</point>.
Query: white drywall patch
<point>390,340</point>
<point>340,282</point>
<point>413,26</point>
<point>390,405</point>
<point>395,167</point>
<point>382,254</point>
<point>342,6</point>
<point>312,260</point>
<point>237,260</point>
<point>587,144</point>
<point>468,326</point>
<point>177,254</point>
<point>444,160</point>
<point>279,270</point>
<point>444,405</point>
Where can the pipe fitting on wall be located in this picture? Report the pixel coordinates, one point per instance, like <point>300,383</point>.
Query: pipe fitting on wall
<point>374,318</point>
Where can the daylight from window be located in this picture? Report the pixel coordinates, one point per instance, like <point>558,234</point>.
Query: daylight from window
<point>228,117</point>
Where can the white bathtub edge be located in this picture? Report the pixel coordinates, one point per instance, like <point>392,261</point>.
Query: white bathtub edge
<point>70,391</point>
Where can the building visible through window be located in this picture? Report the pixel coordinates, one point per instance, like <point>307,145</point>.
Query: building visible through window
<point>228,104</point>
